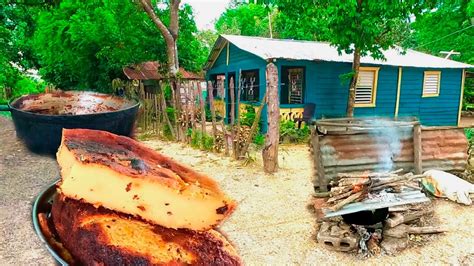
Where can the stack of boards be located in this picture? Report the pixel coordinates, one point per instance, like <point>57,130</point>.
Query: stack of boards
<point>121,203</point>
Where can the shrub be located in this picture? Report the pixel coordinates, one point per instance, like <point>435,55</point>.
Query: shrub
<point>199,141</point>
<point>289,133</point>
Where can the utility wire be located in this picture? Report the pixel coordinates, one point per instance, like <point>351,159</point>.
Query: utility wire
<point>445,36</point>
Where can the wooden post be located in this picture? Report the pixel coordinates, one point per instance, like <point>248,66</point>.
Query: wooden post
<point>272,138</point>
<point>254,127</point>
<point>238,139</point>
<point>224,137</point>
<point>232,115</point>
<point>165,114</point>
<point>203,114</point>
<point>194,92</point>
<point>210,93</point>
<point>417,160</point>
<point>318,162</point>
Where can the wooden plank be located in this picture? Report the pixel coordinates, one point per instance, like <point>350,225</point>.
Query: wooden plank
<point>203,112</point>
<point>232,114</point>
<point>399,83</point>
<point>317,158</point>
<point>463,78</point>
<point>210,93</point>
<point>417,149</point>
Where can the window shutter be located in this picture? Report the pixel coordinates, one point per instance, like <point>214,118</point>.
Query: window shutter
<point>364,87</point>
<point>431,83</point>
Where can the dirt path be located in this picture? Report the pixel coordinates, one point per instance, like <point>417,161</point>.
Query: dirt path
<point>272,225</point>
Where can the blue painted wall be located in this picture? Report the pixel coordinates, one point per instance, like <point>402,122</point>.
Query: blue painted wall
<point>439,111</point>
<point>325,88</point>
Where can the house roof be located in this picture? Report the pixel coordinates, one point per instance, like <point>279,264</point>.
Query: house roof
<point>150,70</point>
<point>266,48</point>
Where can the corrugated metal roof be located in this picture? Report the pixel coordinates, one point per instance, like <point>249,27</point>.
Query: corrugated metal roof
<point>149,70</point>
<point>266,48</point>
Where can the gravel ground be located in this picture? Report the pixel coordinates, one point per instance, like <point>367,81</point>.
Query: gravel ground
<point>271,226</point>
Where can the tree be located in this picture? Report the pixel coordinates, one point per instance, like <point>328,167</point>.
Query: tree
<point>246,19</point>
<point>85,44</point>
<point>170,33</point>
<point>448,27</point>
<point>360,27</point>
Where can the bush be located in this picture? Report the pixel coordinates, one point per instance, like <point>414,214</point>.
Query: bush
<point>24,85</point>
<point>289,133</point>
<point>199,141</point>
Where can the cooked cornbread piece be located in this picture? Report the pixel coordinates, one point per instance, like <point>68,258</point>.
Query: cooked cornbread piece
<point>122,174</point>
<point>97,236</point>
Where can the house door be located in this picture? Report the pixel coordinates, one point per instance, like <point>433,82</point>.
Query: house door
<point>230,75</point>
<point>292,87</point>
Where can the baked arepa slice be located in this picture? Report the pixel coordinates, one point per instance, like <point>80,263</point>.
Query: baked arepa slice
<point>97,236</point>
<point>122,174</point>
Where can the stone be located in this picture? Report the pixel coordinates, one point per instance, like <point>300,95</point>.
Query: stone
<point>337,238</point>
<point>392,245</point>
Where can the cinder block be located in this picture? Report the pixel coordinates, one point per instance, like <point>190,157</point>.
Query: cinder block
<point>346,241</point>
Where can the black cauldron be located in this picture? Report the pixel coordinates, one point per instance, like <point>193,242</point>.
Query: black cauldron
<point>40,118</point>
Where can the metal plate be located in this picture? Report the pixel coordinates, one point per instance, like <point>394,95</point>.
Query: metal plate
<point>43,204</point>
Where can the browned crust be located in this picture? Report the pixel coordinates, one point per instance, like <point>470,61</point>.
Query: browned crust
<point>129,157</point>
<point>209,248</point>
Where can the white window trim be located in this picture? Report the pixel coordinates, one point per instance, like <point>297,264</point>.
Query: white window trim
<point>425,95</point>
<point>374,87</point>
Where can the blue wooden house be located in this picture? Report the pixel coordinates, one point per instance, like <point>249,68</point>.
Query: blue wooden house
<point>408,83</point>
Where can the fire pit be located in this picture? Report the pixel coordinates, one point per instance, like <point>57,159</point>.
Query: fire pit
<point>378,211</point>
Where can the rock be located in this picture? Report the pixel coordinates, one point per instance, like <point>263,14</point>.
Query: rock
<point>392,245</point>
<point>337,238</point>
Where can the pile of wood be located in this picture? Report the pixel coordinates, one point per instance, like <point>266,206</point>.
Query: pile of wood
<point>348,188</point>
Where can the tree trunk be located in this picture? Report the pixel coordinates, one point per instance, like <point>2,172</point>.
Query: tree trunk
<point>270,151</point>
<point>352,87</point>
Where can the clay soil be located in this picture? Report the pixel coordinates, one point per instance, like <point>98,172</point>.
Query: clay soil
<point>274,226</point>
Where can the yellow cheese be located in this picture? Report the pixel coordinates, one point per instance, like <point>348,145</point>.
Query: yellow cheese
<point>121,174</point>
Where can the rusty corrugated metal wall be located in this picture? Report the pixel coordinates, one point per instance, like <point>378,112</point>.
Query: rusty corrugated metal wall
<point>442,148</point>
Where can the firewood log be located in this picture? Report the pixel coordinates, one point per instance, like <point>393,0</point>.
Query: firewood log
<point>352,198</point>
<point>400,218</point>
<point>403,230</point>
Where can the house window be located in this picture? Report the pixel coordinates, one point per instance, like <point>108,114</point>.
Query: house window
<point>431,83</point>
<point>293,83</point>
<point>250,84</point>
<point>366,87</point>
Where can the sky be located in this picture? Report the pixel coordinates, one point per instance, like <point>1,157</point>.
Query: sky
<point>206,11</point>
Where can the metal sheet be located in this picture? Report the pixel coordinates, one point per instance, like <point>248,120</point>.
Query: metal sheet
<point>387,200</point>
<point>267,48</point>
<point>443,149</point>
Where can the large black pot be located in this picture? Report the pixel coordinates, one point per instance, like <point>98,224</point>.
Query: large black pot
<point>40,118</point>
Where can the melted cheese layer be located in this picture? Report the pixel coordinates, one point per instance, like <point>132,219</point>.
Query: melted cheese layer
<point>194,207</point>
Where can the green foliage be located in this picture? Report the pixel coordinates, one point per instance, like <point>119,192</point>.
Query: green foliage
<point>289,133</point>
<point>371,26</point>
<point>200,141</point>
<point>259,140</point>
<point>248,117</point>
<point>442,30</point>
<point>85,44</point>
<point>245,19</point>
<point>470,134</point>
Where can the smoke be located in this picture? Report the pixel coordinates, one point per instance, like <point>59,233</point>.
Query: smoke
<point>388,136</point>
